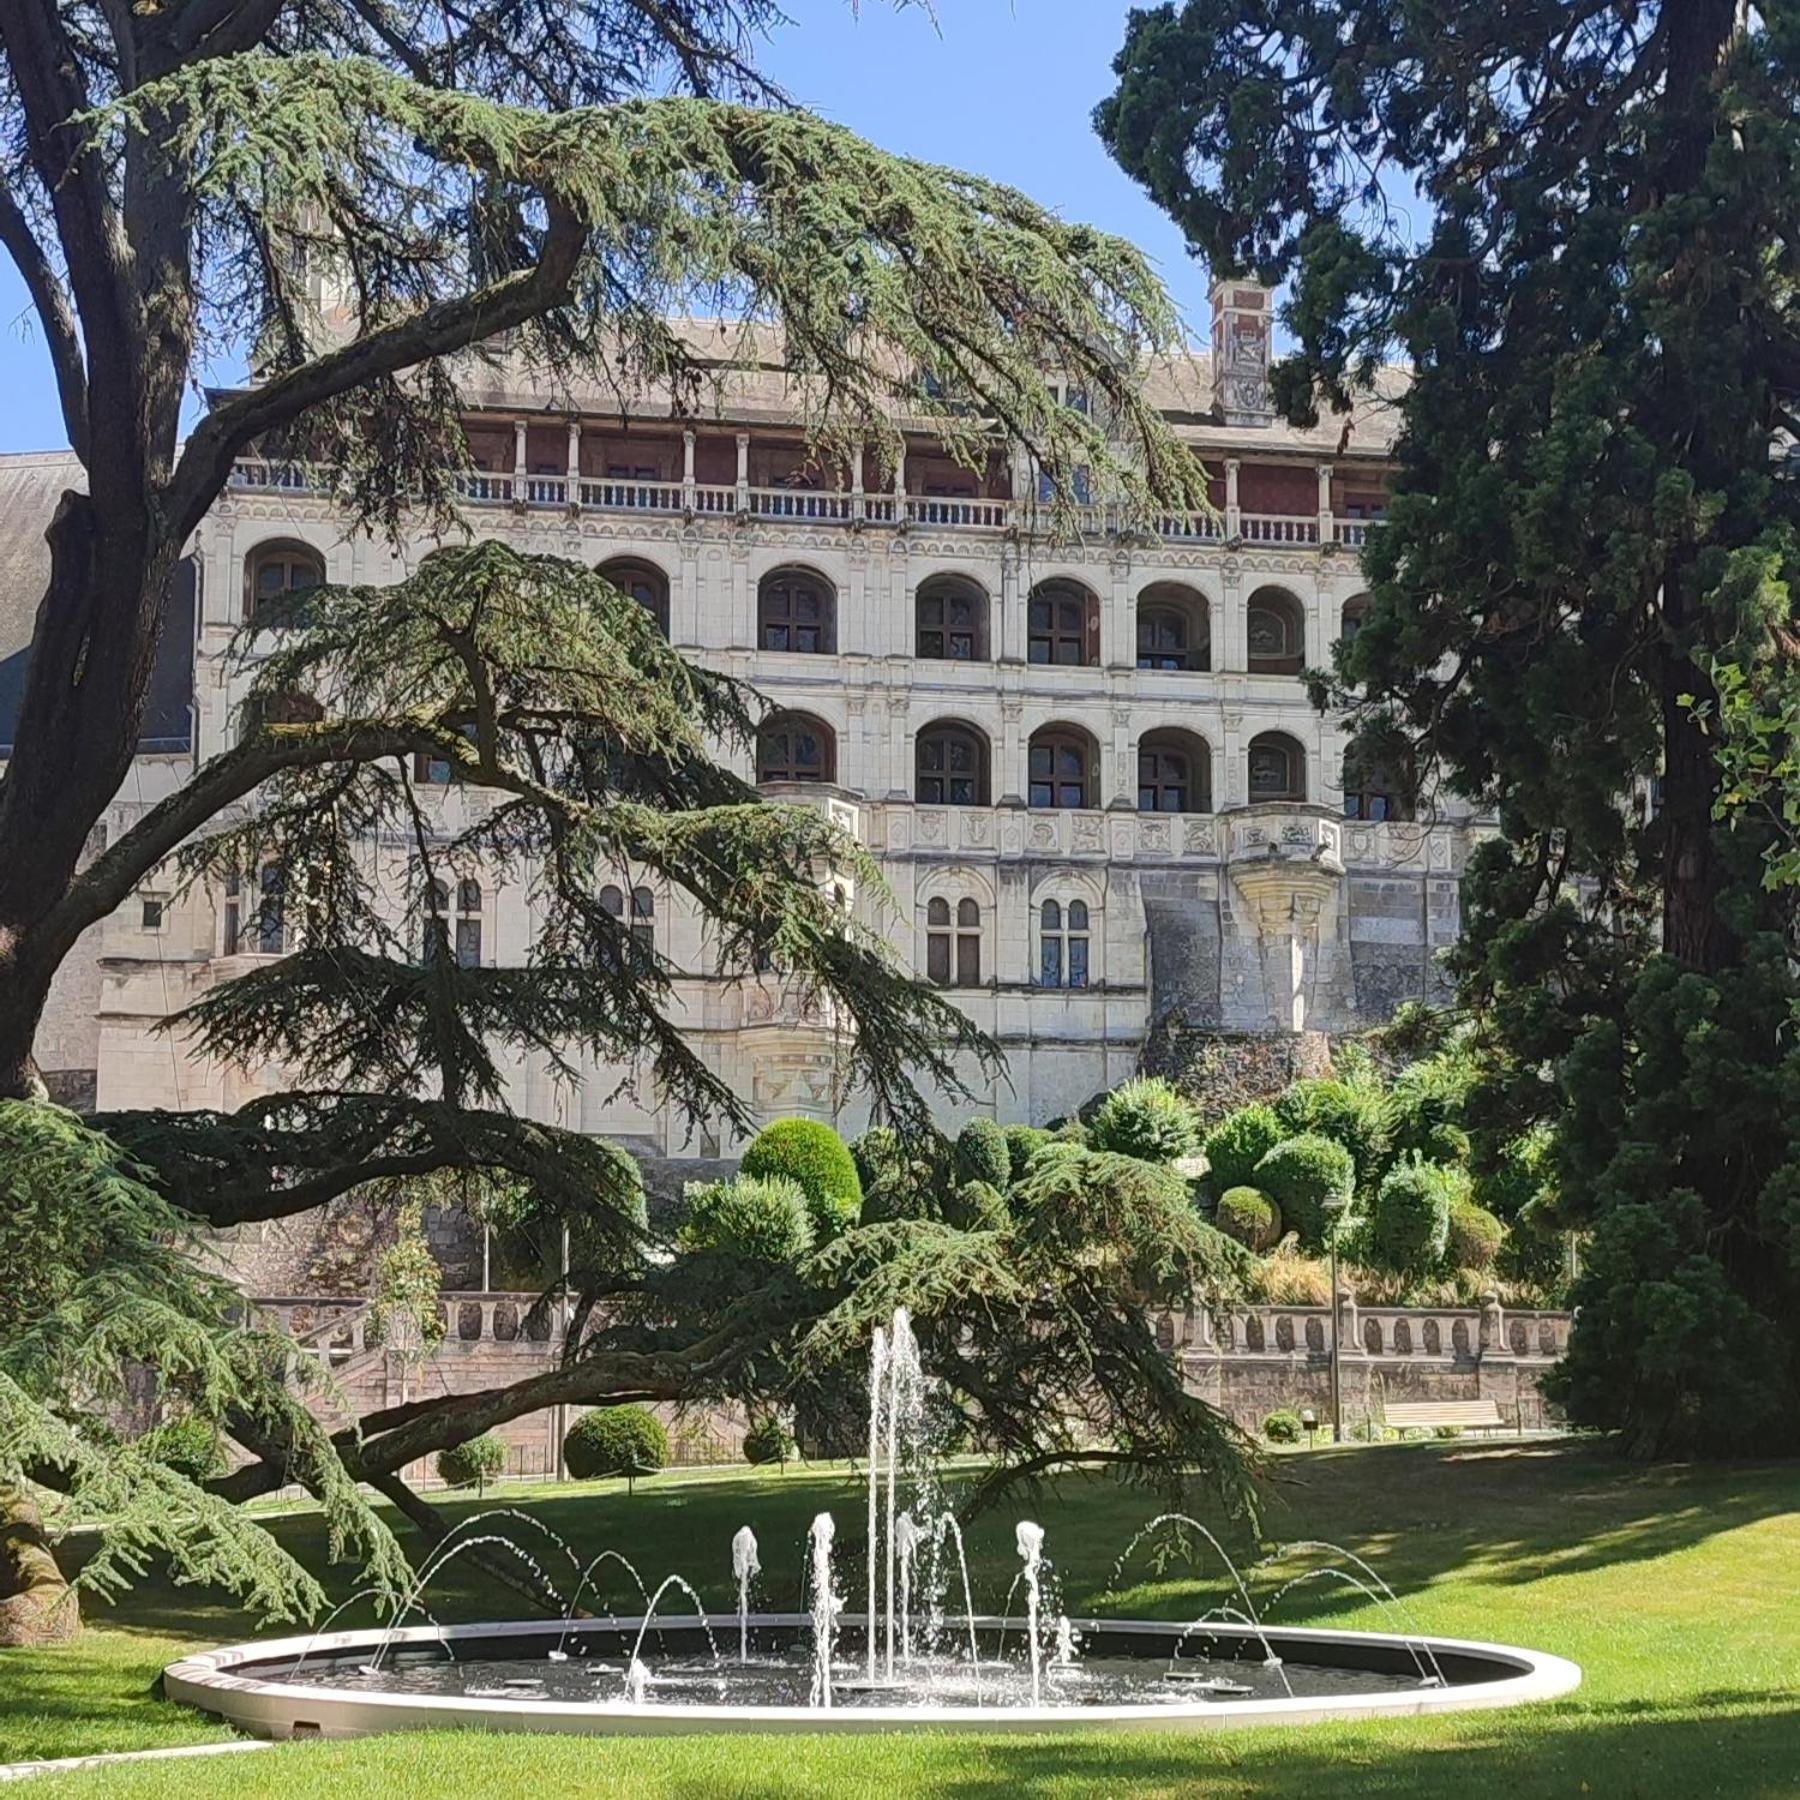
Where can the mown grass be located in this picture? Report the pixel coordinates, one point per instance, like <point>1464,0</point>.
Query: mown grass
<point>1677,1590</point>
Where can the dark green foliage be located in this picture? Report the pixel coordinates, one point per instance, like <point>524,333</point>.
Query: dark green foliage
<point>189,1445</point>
<point>473,1464</point>
<point>615,1440</point>
<point>810,1152</point>
<point>1146,1118</point>
<point>1475,1235</point>
<point>1409,1227</point>
<point>768,1441</point>
<point>1023,1142</point>
<point>1427,1106</point>
<point>762,1220</point>
<point>1283,1426</point>
<point>1304,1176</point>
<point>977,1206</point>
<point>1247,1215</point>
<point>982,1153</point>
<point>1349,1113</point>
<point>1238,1143</point>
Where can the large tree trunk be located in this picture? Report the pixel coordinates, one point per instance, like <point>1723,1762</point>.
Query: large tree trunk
<point>1694,932</point>
<point>37,1604</point>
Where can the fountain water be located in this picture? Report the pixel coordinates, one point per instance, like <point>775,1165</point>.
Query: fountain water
<point>1030,1541</point>
<point>605,1556</point>
<point>746,1568</point>
<point>825,1608</point>
<point>877,1396</point>
<point>906,1540</point>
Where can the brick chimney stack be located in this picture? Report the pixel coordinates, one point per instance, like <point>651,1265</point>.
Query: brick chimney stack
<point>1243,323</point>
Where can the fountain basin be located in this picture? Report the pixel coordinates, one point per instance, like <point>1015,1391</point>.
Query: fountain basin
<point>455,1676</point>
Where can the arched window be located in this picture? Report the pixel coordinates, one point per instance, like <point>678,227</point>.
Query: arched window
<point>1173,628</point>
<point>1355,612</point>
<point>645,583</point>
<point>1063,625</point>
<point>642,925</point>
<point>952,767</point>
<point>453,922</point>
<point>262,925</point>
<point>1063,944</point>
<point>1063,768</point>
<point>795,747</point>
<point>274,575</point>
<point>952,621</point>
<point>953,943</point>
<point>1275,632</point>
<point>1277,768</point>
<point>796,610</point>
<point>1174,773</point>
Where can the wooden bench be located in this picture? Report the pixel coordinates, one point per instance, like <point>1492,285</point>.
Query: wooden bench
<point>1435,1415</point>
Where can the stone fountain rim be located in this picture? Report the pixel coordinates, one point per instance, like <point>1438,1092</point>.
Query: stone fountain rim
<point>210,1682</point>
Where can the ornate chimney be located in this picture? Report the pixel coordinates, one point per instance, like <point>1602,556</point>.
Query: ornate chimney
<point>1243,322</point>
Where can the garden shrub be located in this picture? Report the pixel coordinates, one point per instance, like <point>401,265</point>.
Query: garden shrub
<point>981,1154</point>
<point>1475,1235</point>
<point>473,1464</point>
<point>615,1440</point>
<point>1349,1113</point>
<point>977,1206</point>
<point>768,1441</point>
<point>1409,1227</point>
<point>763,1221</point>
<point>1023,1142</point>
<point>190,1445</point>
<point>1248,1214</point>
<point>1283,1426</point>
<point>1302,1175</point>
<point>1238,1143</point>
<point>1146,1117</point>
<point>1425,1107</point>
<point>811,1153</point>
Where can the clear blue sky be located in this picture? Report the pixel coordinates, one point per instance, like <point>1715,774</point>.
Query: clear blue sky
<point>1001,87</point>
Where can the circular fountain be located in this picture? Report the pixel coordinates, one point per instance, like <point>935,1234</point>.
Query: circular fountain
<point>913,1658</point>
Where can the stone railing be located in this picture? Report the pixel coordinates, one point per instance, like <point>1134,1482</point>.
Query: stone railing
<point>336,1328</point>
<point>831,506</point>
<point>1454,1334</point>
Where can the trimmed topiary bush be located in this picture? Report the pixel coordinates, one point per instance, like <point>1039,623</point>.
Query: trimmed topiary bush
<point>1283,1426</point>
<point>982,1155</point>
<point>1475,1235</point>
<point>1302,1175</point>
<point>768,1441</point>
<point>1148,1118</point>
<point>764,1221</point>
<point>190,1445</point>
<point>811,1153</point>
<point>1023,1142</point>
<point>474,1464</point>
<point>1248,1214</point>
<point>1238,1143</point>
<point>616,1440</point>
<point>1348,1113</point>
<point>977,1206</point>
<point>1410,1225</point>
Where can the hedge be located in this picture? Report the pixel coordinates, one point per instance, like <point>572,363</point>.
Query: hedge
<point>473,1464</point>
<point>1238,1143</point>
<point>1148,1118</point>
<point>1475,1235</point>
<point>811,1153</point>
<point>1410,1226</point>
<point>982,1155</point>
<point>1023,1142</point>
<point>1248,1215</point>
<point>765,1221</point>
<point>615,1440</point>
<point>1303,1175</point>
<point>768,1441</point>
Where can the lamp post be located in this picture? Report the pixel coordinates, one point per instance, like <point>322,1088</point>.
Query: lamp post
<point>1334,1205</point>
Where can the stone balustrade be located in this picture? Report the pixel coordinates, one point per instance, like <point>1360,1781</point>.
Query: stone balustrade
<point>1452,1334</point>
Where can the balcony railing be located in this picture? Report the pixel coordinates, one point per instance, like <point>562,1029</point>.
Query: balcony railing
<point>828,506</point>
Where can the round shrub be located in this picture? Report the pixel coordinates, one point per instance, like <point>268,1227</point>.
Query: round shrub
<point>1410,1225</point>
<point>615,1440</point>
<point>1247,1214</point>
<point>1238,1143</point>
<point>190,1445</point>
<point>1148,1118</point>
<point>1283,1426</point>
<point>977,1206</point>
<point>474,1464</point>
<point>1023,1142</point>
<point>1347,1113</point>
<point>765,1221</point>
<point>811,1153</point>
<point>1475,1235</point>
<point>1302,1175</point>
<point>768,1441</point>
<point>982,1155</point>
<point>874,1154</point>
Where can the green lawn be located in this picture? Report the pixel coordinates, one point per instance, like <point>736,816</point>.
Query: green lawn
<point>1678,1591</point>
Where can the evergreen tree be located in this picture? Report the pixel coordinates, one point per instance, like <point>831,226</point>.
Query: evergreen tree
<point>1575,224</point>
